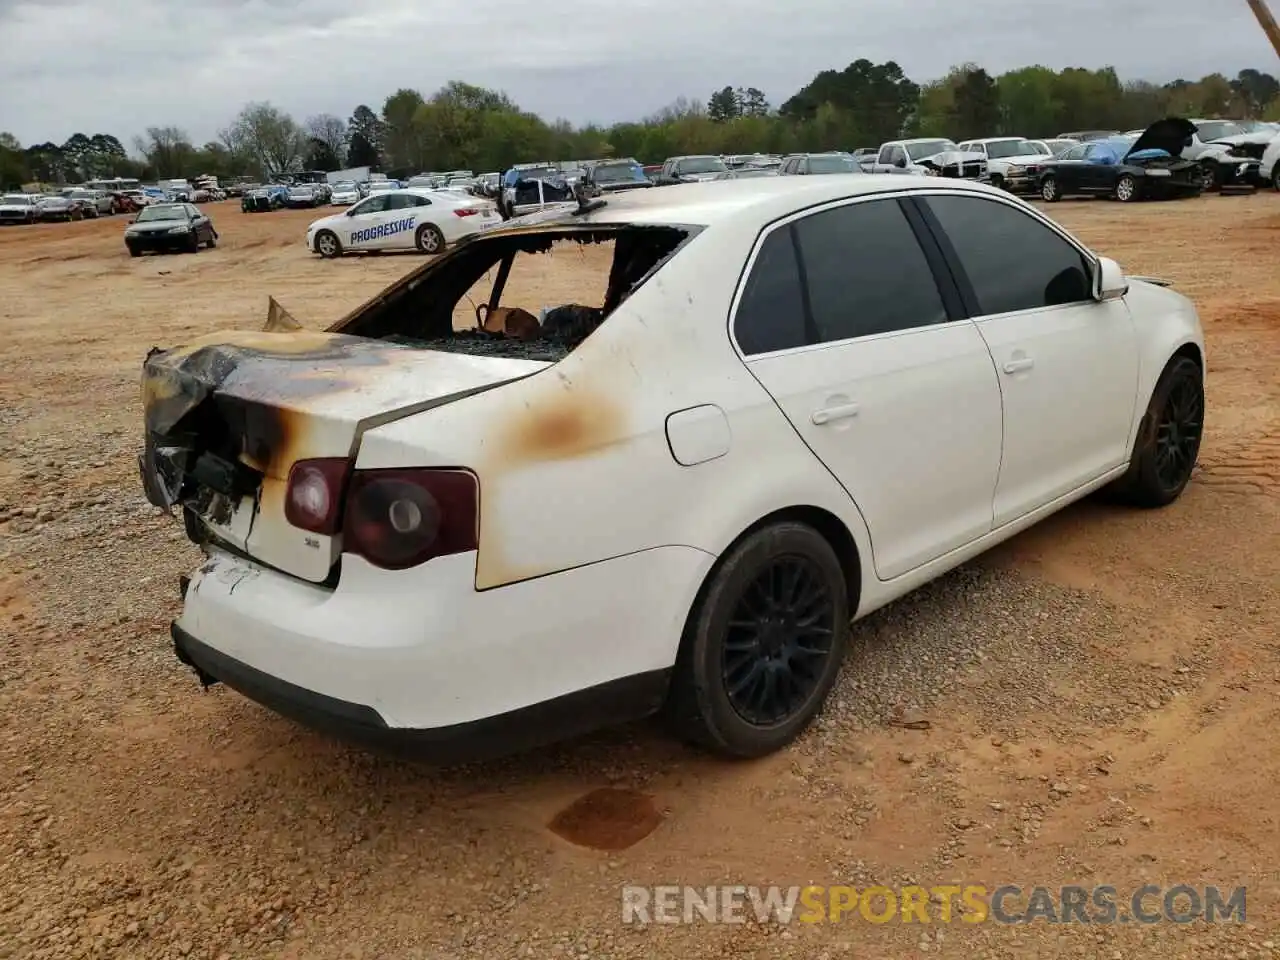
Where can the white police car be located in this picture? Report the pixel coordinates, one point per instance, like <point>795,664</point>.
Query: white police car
<point>407,219</point>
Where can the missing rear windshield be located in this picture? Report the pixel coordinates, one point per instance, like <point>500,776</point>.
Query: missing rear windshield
<point>535,296</point>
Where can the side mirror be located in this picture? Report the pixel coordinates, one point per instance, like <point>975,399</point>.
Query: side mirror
<point>900,163</point>
<point>1112,284</point>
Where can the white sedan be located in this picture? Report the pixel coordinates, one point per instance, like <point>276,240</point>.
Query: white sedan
<point>795,400</point>
<point>344,194</point>
<point>405,219</point>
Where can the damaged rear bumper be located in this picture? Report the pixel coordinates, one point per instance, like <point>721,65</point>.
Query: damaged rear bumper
<point>420,661</point>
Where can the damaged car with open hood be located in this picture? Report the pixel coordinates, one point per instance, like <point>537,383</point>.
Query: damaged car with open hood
<point>1229,152</point>
<point>1126,168</point>
<point>462,521</point>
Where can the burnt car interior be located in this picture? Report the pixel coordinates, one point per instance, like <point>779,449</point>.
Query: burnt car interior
<point>420,311</point>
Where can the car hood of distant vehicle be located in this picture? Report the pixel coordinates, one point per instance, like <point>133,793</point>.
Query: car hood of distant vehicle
<point>155,226</point>
<point>1024,157</point>
<point>948,157</point>
<point>1241,139</point>
<point>1172,135</point>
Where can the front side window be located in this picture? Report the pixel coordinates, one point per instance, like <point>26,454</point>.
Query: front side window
<point>866,272</point>
<point>375,204</point>
<point>770,314</point>
<point>1011,259</point>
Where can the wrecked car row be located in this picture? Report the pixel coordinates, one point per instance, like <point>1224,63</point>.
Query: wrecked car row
<point>467,530</point>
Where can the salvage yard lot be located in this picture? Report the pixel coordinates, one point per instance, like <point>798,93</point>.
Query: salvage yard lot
<point>1100,693</point>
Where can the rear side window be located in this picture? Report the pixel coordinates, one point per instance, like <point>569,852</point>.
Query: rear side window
<point>866,272</point>
<point>771,312</point>
<point>1011,259</point>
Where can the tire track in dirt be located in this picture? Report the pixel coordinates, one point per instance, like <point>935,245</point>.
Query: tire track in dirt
<point>1245,466</point>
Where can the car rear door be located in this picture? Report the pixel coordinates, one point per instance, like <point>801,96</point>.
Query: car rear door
<point>1068,363</point>
<point>871,362</point>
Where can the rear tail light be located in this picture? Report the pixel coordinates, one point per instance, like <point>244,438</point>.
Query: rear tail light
<point>313,494</point>
<point>403,517</point>
<point>465,212</point>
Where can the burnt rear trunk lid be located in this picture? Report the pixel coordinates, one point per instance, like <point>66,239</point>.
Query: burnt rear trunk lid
<point>229,414</point>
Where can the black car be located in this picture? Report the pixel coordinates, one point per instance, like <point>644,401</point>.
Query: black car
<point>169,227</point>
<point>610,176</point>
<point>1126,168</point>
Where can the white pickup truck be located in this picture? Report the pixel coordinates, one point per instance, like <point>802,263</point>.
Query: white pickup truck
<point>928,157</point>
<point>1013,163</point>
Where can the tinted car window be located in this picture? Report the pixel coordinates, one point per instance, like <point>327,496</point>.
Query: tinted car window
<point>771,312</point>
<point>1076,153</point>
<point>1012,260</point>
<point>866,272</point>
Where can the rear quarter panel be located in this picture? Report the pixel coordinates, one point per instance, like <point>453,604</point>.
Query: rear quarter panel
<point>574,463</point>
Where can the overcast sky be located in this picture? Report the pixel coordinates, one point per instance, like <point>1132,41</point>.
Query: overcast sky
<point>119,66</point>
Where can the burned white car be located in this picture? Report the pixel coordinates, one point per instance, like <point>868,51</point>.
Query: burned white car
<point>476,528</point>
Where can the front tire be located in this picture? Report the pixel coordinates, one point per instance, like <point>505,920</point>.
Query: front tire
<point>213,240</point>
<point>1208,176</point>
<point>1126,190</point>
<point>997,181</point>
<point>763,644</point>
<point>1169,436</point>
<point>429,239</point>
<point>1049,191</point>
<point>328,245</point>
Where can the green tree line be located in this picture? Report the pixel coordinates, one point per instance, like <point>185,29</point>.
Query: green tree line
<point>462,126</point>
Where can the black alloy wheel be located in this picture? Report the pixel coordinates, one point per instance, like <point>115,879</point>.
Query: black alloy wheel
<point>779,636</point>
<point>1178,432</point>
<point>763,642</point>
<point>1169,437</point>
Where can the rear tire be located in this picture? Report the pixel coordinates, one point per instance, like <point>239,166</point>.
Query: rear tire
<point>1168,442</point>
<point>1275,178</point>
<point>763,643</point>
<point>429,239</point>
<point>1049,191</point>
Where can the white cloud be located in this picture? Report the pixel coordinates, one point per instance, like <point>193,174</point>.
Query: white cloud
<point>122,66</point>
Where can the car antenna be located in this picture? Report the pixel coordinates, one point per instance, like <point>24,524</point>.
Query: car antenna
<point>588,198</point>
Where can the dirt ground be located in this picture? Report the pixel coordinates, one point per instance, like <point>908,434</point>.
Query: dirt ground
<point>1100,693</point>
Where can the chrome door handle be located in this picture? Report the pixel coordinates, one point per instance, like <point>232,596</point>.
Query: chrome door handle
<point>828,414</point>
<point>1017,366</point>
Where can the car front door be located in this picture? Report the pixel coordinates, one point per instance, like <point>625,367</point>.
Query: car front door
<point>1070,168</point>
<point>364,220</point>
<point>1068,363</point>
<point>878,373</point>
<point>1098,172</point>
